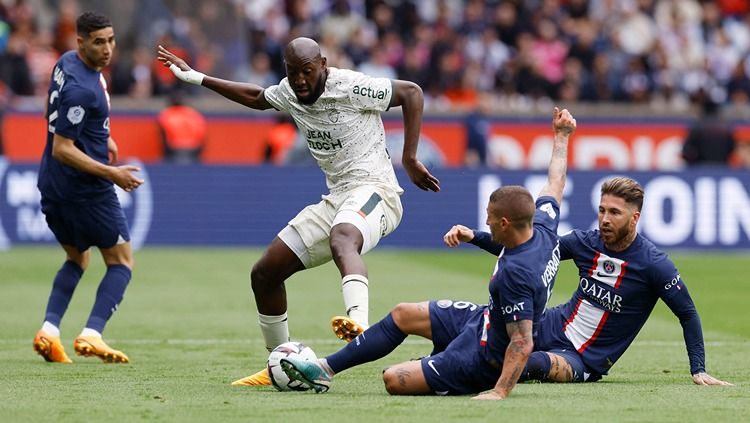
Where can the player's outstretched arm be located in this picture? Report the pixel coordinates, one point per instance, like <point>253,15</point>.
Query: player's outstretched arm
<point>249,95</point>
<point>409,96</point>
<point>563,125</point>
<point>704,378</point>
<point>65,151</point>
<point>516,356</point>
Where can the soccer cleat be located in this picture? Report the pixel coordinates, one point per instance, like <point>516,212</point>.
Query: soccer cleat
<point>50,348</point>
<point>306,371</point>
<point>258,379</point>
<point>346,328</point>
<point>94,346</point>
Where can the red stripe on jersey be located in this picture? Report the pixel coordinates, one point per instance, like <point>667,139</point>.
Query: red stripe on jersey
<point>596,333</point>
<point>622,273</point>
<point>572,315</point>
<point>595,264</point>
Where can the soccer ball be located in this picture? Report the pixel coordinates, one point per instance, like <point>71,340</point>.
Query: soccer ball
<point>279,379</point>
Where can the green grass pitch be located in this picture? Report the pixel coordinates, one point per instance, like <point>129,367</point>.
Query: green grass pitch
<point>189,325</point>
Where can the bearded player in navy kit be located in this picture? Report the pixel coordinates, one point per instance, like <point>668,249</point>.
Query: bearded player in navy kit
<point>338,112</point>
<point>622,276</point>
<point>78,196</point>
<point>476,348</point>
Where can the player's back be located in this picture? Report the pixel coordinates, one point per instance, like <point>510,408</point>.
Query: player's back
<point>77,109</point>
<point>524,278</point>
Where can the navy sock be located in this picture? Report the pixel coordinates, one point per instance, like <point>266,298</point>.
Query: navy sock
<point>537,368</point>
<point>63,287</point>
<point>374,343</point>
<point>108,296</point>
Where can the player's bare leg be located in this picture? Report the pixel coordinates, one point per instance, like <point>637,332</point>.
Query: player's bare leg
<point>406,379</point>
<point>413,318</point>
<point>267,280</point>
<point>346,244</point>
<point>560,370</point>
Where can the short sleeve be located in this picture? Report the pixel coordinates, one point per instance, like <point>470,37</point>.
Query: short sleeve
<point>367,93</point>
<point>516,296</point>
<point>547,213</point>
<point>73,110</point>
<point>277,95</point>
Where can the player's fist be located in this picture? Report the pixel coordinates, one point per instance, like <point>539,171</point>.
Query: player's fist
<point>563,122</point>
<point>458,234</point>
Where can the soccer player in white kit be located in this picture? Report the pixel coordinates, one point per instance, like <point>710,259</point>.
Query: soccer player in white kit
<point>338,113</point>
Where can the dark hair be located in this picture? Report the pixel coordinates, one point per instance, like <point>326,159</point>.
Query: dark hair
<point>89,22</point>
<point>515,203</point>
<point>625,188</point>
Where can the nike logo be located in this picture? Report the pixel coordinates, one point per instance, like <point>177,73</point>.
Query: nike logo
<point>432,366</point>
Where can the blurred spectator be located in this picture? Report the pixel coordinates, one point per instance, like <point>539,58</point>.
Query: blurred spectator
<point>743,154</point>
<point>281,139</point>
<point>478,132</point>
<point>183,130</point>
<point>14,70</point>
<point>710,141</point>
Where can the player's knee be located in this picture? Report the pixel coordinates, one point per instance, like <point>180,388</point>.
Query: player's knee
<point>537,367</point>
<point>345,239</point>
<point>400,314</point>
<point>390,379</point>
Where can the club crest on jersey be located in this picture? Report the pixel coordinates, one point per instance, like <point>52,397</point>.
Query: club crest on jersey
<point>333,114</point>
<point>76,114</point>
<point>608,266</point>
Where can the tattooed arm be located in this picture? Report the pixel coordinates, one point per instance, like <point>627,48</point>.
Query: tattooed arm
<point>516,356</point>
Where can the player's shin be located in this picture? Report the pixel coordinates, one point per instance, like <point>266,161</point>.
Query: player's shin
<point>355,289</point>
<point>275,329</point>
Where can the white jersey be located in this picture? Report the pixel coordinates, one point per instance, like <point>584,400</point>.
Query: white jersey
<point>343,128</point>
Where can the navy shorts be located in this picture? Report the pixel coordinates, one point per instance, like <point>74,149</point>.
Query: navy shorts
<point>82,225</point>
<point>456,365</point>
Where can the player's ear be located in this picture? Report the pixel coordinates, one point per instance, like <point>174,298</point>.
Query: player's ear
<point>79,41</point>
<point>323,63</point>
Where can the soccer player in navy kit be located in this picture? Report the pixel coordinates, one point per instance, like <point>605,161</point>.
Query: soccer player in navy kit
<point>475,348</point>
<point>78,197</point>
<point>622,276</point>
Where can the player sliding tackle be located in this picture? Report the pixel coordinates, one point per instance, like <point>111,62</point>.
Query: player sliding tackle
<point>338,112</point>
<point>475,348</point>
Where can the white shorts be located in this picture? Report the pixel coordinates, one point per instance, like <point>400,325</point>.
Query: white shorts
<point>375,211</point>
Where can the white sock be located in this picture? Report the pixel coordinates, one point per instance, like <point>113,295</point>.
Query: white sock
<point>90,332</point>
<point>50,329</point>
<point>356,297</point>
<point>275,330</point>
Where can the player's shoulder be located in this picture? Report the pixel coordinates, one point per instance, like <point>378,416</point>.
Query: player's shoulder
<point>650,253</point>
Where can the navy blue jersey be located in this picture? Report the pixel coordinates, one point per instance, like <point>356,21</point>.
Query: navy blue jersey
<point>523,279</point>
<point>78,109</point>
<point>616,293</point>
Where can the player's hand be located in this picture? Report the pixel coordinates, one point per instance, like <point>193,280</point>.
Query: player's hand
<point>563,122</point>
<point>489,395</point>
<point>168,58</point>
<point>420,176</point>
<point>704,378</point>
<point>458,234</point>
<point>179,68</point>
<point>123,177</point>
<point>113,152</point>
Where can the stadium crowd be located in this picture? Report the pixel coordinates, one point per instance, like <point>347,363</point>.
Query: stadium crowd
<point>569,50</point>
<point>469,56</point>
